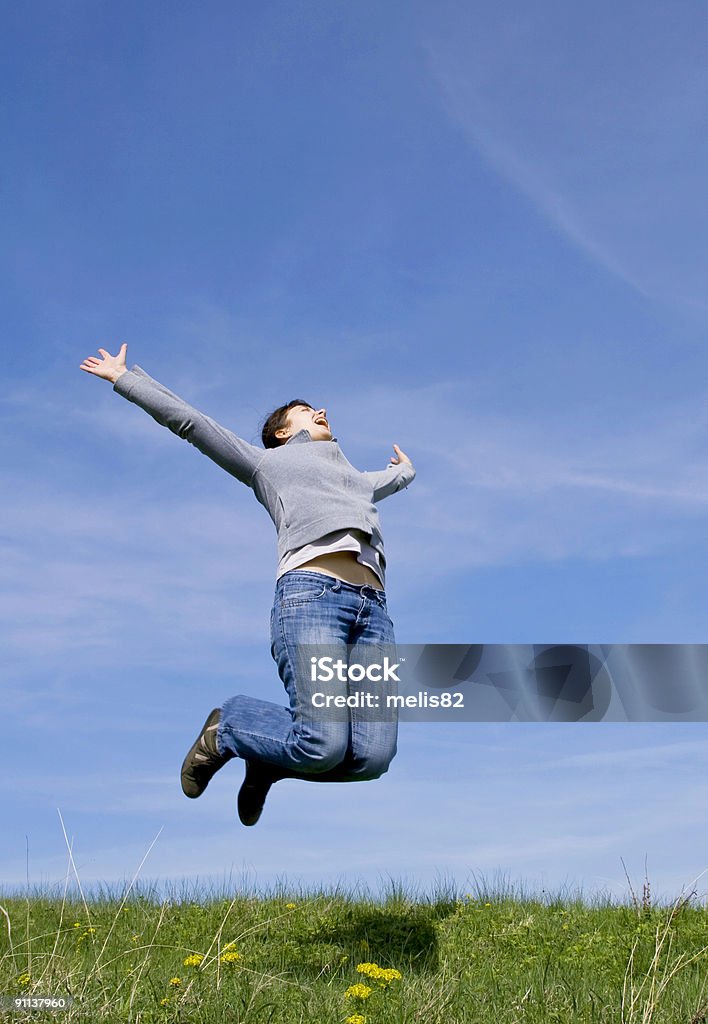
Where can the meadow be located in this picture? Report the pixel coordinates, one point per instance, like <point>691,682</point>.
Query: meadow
<point>482,957</point>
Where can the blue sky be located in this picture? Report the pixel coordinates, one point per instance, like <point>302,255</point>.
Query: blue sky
<point>475,230</point>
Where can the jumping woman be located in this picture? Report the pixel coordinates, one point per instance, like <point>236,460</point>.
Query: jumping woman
<point>329,589</point>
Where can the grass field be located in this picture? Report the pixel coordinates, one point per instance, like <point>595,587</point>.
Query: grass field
<point>330,958</point>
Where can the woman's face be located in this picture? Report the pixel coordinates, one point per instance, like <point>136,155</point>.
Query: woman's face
<point>302,417</point>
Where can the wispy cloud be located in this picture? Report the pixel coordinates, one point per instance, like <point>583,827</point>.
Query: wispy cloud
<point>83,571</point>
<point>495,488</point>
<point>463,832</point>
<point>605,138</point>
<point>689,754</point>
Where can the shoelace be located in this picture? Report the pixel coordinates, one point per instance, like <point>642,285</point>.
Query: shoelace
<point>198,755</point>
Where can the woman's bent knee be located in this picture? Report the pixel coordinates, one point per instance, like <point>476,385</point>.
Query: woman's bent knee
<point>322,755</point>
<point>374,766</point>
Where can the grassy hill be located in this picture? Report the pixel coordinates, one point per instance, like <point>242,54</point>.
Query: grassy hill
<point>327,958</point>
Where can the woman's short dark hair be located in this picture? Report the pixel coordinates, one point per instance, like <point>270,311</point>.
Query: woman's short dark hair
<point>278,419</point>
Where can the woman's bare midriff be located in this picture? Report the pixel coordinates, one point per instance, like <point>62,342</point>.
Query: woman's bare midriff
<point>344,566</point>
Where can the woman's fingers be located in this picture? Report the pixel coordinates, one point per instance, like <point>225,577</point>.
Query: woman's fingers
<point>91,363</point>
<point>121,352</point>
<point>400,455</point>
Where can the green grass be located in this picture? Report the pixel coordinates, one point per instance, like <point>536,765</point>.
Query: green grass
<point>485,957</point>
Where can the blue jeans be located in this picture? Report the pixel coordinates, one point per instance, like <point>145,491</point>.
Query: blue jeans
<point>313,608</point>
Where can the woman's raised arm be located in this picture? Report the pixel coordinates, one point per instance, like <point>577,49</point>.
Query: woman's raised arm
<point>232,453</point>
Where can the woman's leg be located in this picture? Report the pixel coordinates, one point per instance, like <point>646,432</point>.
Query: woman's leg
<point>309,609</point>
<point>373,731</point>
<point>314,614</point>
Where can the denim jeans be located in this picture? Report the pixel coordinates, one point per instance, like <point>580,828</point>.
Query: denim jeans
<point>313,608</point>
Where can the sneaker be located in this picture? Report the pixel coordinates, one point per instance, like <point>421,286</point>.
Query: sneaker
<point>204,759</point>
<point>254,790</point>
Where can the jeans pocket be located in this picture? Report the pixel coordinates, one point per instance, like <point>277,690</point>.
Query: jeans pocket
<point>302,592</point>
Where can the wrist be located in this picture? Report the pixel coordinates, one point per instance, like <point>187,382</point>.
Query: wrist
<point>116,374</point>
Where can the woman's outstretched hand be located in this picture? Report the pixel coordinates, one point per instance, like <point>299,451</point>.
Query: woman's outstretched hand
<point>109,367</point>
<point>399,456</point>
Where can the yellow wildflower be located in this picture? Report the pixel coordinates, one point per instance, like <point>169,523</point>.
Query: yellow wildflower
<point>175,982</point>
<point>193,960</point>
<point>290,906</point>
<point>370,969</point>
<point>230,956</point>
<point>136,938</point>
<point>77,924</point>
<point>165,1001</point>
<point>384,975</point>
<point>24,979</point>
<point>356,1018</point>
<point>358,991</point>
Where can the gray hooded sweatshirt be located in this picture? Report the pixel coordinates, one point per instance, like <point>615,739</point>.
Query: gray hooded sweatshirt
<point>308,487</point>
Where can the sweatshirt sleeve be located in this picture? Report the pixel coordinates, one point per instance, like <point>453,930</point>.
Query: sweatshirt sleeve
<point>387,481</point>
<point>232,453</point>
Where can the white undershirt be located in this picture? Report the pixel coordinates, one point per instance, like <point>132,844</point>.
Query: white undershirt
<point>339,540</point>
